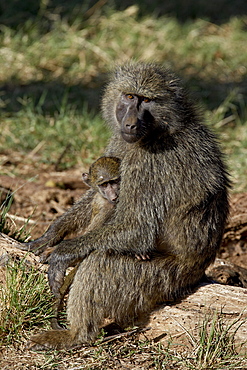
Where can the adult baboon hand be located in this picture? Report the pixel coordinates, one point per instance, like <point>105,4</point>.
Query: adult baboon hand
<point>143,257</point>
<point>45,255</point>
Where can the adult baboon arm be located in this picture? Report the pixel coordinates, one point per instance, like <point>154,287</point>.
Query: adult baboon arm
<point>76,219</point>
<point>111,238</point>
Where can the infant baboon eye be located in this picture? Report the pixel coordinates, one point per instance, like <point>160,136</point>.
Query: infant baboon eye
<point>146,100</point>
<point>130,96</point>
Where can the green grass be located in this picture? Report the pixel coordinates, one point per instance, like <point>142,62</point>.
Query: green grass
<point>229,121</point>
<point>214,347</point>
<point>21,234</point>
<point>25,302</point>
<point>32,129</point>
<point>52,77</point>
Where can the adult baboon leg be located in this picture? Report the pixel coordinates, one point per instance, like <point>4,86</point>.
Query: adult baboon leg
<point>120,288</point>
<point>113,286</point>
<point>52,339</point>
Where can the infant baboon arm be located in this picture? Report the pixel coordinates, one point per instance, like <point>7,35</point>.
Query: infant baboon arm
<point>76,219</point>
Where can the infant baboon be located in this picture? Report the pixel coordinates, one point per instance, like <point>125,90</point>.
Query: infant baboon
<point>172,206</point>
<point>104,178</point>
<point>104,181</point>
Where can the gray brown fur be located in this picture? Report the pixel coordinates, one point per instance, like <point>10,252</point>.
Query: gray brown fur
<point>173,205</point>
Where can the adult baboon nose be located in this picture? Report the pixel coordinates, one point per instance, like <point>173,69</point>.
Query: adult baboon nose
<point>130,127</point>
<point>130,120</point>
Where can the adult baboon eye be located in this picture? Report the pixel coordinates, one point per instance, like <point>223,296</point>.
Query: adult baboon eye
<point>130,96</point>
<point>146,100</point>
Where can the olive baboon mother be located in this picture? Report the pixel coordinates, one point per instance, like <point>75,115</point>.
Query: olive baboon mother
<point>172,206</point>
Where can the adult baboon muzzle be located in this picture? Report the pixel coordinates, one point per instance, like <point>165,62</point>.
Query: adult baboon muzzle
<point>130,126</point>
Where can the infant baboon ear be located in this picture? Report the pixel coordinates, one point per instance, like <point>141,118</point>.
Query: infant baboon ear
<point>85,178</point>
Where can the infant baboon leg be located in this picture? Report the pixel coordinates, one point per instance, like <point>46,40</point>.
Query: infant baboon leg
<point>54,321</point>
<point>58,302</point>
<point>68,281</point>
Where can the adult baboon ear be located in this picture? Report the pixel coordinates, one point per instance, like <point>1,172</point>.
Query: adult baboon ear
<point>86,179</point>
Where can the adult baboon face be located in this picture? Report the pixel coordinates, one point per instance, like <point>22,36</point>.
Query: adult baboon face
<point>141,102</point>
<point>134,116</point>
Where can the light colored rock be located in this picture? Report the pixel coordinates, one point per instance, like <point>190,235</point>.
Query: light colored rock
<point>181,322</point>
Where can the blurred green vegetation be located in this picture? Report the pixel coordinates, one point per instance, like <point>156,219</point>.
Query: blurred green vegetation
<point>55,56</point>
